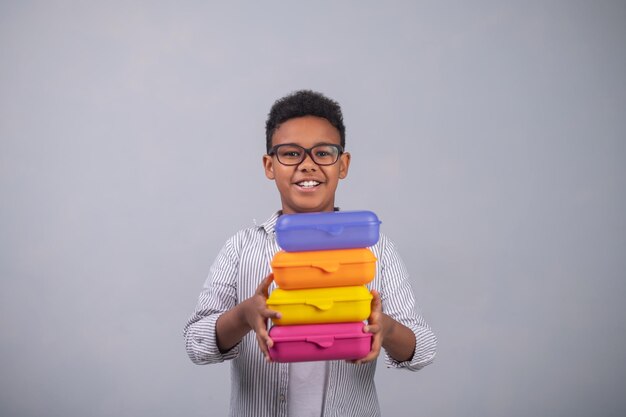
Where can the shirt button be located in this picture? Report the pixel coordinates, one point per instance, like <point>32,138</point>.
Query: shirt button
<point>282,397</point>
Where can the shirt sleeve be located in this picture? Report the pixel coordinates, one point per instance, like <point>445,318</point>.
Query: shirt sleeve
<point>218,296</point>
<point>398,302</point>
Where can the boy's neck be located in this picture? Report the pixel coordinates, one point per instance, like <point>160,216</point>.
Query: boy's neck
<point>281,212</point>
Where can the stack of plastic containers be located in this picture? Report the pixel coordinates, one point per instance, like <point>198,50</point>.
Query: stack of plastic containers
<point>321,273</point>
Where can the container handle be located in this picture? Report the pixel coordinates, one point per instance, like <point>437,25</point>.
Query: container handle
<point>323,304</point>
<point>331,229</point>
<point>322,341</point>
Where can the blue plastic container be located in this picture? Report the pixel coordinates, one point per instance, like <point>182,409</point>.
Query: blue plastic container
<point>327,230</point>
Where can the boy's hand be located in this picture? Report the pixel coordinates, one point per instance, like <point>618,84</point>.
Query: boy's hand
<point>255,314</point>
<point>375,327</point>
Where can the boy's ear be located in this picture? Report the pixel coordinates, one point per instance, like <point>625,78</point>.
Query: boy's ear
<point>268,165</point>
<point>344,162</point>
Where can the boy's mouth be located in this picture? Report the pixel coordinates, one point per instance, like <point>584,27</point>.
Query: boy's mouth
<point>308,184</point>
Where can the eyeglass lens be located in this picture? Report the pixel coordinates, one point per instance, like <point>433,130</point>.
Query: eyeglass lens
<point>294,154</point>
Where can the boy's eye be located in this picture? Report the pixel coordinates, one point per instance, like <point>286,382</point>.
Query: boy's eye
<point>324,152</point>
<point>290,153</point>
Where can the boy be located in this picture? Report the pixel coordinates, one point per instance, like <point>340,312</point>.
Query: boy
<point>305,157</point>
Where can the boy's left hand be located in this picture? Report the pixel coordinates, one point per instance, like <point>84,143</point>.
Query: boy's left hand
<point>375,327</point>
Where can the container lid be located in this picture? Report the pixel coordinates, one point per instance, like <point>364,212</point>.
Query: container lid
<point>331,222</point>
<point>326,260</point>
<point>320,298</point>
<point>323,335</point>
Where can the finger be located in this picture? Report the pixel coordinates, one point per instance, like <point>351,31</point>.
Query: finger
<point>265,342</point>
<point>369,357</point>
<point>260,326</point>
<point>377,342</point>
<point>375,308</point>
<point>266,339</point>
<point>374,318</point>
<point>263,288</point>
<point>271,314</point>
<point>371,328</point>
<point>377,304</point>
<point>263,346</point>
<point>374,351</point>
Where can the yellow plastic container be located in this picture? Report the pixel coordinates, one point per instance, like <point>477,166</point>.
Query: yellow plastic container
<point>321,305</point>
<point>326,268</point>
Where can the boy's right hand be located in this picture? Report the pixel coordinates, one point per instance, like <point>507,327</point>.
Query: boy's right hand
<point>255,314</point>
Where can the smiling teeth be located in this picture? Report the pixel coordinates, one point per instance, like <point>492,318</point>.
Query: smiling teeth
<point>308,184</point>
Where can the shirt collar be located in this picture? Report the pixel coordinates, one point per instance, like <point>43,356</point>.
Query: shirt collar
<point>269,225</point>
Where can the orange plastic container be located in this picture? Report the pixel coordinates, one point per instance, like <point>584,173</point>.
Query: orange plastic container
<point>321,305</point>
<point>326,268</point>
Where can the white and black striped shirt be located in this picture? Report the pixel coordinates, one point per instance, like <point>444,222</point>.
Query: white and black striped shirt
<point>258,388</point>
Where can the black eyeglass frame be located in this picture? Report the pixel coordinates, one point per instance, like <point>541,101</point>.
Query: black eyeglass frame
<point>307,151</point>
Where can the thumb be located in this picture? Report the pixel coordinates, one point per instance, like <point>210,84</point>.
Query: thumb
<point>264,286</point>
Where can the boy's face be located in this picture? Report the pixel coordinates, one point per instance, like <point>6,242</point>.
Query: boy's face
<point>295,196</point>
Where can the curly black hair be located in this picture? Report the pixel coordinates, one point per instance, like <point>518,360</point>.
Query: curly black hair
<point>304,103</point>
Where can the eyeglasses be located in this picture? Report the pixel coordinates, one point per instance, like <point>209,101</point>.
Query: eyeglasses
<point>290,154</point>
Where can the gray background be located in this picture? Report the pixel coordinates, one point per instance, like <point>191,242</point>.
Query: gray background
<point>489,137</point>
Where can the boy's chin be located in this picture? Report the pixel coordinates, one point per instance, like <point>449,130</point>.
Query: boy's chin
<point>310,207</point>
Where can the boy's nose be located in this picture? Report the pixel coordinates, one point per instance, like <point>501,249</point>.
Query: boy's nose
<point>307,163</point>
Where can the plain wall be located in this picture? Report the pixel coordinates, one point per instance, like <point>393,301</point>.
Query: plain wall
<point>489,137</point>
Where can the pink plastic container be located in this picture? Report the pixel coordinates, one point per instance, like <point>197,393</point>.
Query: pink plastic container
<point>319,342</point>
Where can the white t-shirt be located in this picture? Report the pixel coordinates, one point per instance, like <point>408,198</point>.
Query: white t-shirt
<point>305,393</point>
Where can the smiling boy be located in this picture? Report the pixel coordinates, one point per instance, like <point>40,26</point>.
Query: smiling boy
<point>306,186</point>
<point>305,138</point>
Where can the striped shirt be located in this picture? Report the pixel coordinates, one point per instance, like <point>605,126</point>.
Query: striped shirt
<point>258,388</point>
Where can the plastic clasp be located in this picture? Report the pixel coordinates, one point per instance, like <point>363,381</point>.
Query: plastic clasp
<point>327,266</point>
<point>323,304</point>
<point>331,229</point>
<point>322,341</point>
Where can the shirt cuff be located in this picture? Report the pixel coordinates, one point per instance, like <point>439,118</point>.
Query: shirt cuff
<point>425,350</point>
<point>202,343</point>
